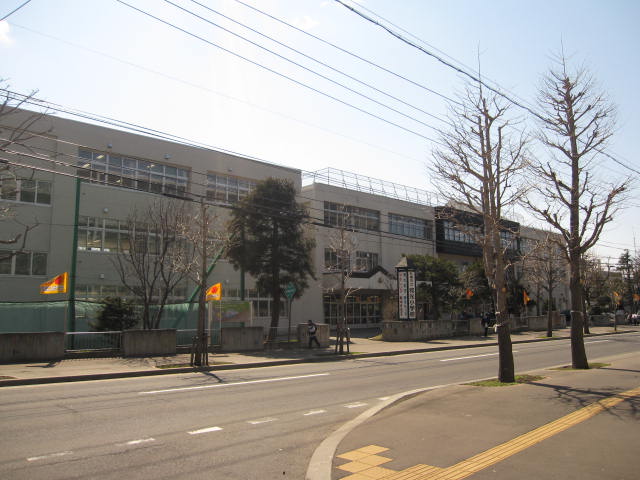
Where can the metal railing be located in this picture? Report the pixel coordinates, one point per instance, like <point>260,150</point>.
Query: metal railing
<point>93,340</point>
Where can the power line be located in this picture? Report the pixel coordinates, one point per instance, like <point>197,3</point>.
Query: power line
<point>369,62</point>
<point>464,72</point>
<point>351,77</point>
<point>14,11</point>
<point>275,72</point>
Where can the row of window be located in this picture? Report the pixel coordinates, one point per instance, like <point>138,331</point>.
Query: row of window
<point>339,215</point>
<point>132,173</point>
<point>410,226</point>
<point>468,234</point>
<point>22,263</point>
<point>361,309</point>
<point>25,190</point>
<point>227,189</point>
<point>340,261</point>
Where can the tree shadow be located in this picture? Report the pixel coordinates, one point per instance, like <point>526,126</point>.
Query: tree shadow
<point>583,397</point>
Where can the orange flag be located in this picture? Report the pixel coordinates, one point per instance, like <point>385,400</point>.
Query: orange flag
<point>55,285</point>
<point>525,297</point>
<point>214,292</point>
<point>469,293</point>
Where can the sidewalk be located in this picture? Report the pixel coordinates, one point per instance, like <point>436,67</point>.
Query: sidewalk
<point>567,425</point>
<point>78,369</point>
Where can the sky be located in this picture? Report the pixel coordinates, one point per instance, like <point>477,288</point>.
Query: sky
<point>202,83</point>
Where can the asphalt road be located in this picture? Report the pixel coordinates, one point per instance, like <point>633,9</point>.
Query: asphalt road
<point>261,423</point>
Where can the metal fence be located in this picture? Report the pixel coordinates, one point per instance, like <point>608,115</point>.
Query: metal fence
<point>98,341</point>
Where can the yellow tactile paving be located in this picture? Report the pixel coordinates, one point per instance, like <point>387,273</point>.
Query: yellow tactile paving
<point>372,449</point>
<point>376,473</point>
<point>374,460</point>
<point>365,459</point>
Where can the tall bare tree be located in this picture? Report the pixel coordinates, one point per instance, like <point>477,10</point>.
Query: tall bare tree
<point>153,262</point>
<point>478,166</point>
<point>545,268</point>
<point>339,257</point>
<point>207,244</point>
<point>17,128</point>
<point>576,125</point>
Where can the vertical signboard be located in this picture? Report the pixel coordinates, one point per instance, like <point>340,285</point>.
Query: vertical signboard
<point>403,304</point>
<point>411,295</point>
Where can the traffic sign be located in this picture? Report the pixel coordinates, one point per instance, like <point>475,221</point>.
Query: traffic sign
<point>290,290</point>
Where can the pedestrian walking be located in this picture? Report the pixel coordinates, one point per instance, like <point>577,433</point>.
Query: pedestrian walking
<point>485,323</point>
<point>312,329</point>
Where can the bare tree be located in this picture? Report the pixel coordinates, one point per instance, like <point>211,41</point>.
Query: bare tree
<point>576,125</point>
<point>207,244</point>
<point>478,166</point>
<point>545,269</point>
<point>153,263</point>
<point>341,250</point>
<point>17,129</point>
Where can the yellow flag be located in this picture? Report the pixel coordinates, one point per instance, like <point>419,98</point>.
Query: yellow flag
<point>214,292</point>
<point>525,297</point>
<point>57,284</point>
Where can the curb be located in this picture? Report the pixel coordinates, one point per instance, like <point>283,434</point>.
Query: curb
<point>327,358</point>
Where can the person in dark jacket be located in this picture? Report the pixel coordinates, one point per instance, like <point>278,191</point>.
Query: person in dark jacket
<point>312,329</point>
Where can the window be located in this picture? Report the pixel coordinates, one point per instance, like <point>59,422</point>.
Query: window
<point>508,239</point>
<point>132,173</point>
<point>366,261</point>
<point>452,233</point>
<point>23,263</point>
<point>25,190</point>
<point>410,226</point>
<point>227,189</point>
<point>336,260</point>
<point>103,235</point>
<point>339,215</point>
<point>361,309</point>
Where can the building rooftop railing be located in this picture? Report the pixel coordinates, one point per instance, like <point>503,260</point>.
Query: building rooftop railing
<point>366,184</point>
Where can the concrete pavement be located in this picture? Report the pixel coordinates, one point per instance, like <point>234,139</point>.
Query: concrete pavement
<point>80,369</point>
<point>569,424</point>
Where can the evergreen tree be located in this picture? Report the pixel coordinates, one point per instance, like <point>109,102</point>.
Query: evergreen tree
<point>116,315</point>
<point>267,240</point>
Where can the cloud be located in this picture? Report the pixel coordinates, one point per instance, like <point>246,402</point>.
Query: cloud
<point>5,29</point>
<point>305,23</point>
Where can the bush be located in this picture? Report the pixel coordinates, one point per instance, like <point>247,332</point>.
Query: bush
<point>116,315</point>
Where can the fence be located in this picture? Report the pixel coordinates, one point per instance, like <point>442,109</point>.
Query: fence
<point>97,341</point>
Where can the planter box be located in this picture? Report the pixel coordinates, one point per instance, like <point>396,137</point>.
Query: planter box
<point>136,343</point>
<point>34,346</point>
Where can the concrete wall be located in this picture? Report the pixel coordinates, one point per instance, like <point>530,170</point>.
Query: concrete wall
<point>148,342</point>
<point>238,339</point>
<point>31,346</point>
<point>322,334</point>
<point>537,323</point>
<point>397,331</point>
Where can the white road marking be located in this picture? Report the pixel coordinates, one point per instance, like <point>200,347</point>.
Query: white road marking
<point>205,430</point>
<point>220,385</point>
<point>355,405</point>
<point>51,455</point>
<point>597,341</point>
<point>314,412</point>
<point>383,398</point>
<point>262,420</point>
<point>473,356</point>
<point>137,442</point>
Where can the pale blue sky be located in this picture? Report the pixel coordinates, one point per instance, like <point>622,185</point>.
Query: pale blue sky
<point>102,57</point>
